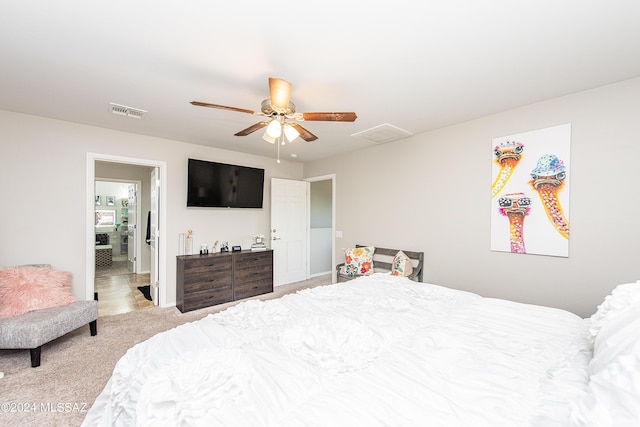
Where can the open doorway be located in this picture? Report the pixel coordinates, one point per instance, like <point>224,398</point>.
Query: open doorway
<point>322,226</point>
<point>132,258</point>
<point>122,279</point>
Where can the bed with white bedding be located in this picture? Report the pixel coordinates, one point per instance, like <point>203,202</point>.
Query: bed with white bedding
<point>379,351</point>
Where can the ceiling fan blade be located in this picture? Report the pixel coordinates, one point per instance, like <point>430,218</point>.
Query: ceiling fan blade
<point>304,134</point>
<point>252,129</point>
<point>330,117</point>
<point>279,92</point>
<point>222,107</point>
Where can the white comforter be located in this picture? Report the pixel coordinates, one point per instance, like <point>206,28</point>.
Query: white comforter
<point>376,351</point>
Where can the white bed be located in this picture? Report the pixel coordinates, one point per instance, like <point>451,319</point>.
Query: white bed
<point>381,351</point>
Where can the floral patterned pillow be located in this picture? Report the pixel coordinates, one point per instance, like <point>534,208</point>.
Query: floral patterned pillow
<point>401,265</point>
<point>358,261</point>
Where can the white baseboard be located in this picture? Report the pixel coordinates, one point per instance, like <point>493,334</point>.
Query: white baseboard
<point>319,274</point>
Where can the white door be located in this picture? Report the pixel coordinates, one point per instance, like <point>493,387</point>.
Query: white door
<point>289,230</point>
<point>132,226</point>
<point>154,236</point>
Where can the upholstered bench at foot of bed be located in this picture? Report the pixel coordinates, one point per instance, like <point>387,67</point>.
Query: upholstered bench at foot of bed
<point>35,328</point>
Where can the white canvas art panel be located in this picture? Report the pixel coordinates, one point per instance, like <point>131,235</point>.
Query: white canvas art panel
<point>530,192</point>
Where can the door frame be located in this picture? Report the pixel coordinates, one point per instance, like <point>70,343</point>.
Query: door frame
<point>154,209</point>
<point>331,177</point>
<point>90,254</point>
<point>137,248</point>
<point>136,244</point>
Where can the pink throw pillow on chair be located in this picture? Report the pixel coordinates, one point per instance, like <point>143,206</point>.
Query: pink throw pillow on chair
<point>24,289</point>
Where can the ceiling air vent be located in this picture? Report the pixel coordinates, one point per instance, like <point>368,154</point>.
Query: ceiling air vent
<point>382,133</point>
<point>123,110</point>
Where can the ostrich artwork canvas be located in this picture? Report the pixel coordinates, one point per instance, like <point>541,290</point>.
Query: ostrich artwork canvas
<point>530,192</point>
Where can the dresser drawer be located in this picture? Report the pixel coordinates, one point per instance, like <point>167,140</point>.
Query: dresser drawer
<point>207,294</point>
<point>251,289</point>
<point>199,276</point>
<point>196,267</point>
<point>245,275</point>
<point>208,286</point>
<point>252,260</point>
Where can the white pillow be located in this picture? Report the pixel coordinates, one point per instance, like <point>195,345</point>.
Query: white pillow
<point>616,337</point>
<point>621,297</point>
<point>613,394</point>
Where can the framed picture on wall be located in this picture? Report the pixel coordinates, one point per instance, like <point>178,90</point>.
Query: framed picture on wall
<point>531,174</point>
<point>98,201</point>
<point>111,201</point>
<point>105,218</point>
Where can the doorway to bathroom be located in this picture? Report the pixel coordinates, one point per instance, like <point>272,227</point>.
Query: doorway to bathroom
<point>125,261</point>
<point>121,284</point>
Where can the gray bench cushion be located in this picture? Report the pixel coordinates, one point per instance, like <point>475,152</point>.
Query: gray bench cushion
<point>32,329</point>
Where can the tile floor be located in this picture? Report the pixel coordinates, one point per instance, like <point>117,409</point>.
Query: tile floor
<point>118,290</point>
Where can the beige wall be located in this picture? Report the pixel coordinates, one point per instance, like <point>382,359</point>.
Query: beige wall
<point>431,193</point>
<point>43,192</point>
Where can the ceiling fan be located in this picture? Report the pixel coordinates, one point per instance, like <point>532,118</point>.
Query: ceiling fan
<point>282,124</point>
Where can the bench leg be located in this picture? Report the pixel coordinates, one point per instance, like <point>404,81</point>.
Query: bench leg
<point>35,352</point>
<point>35,356</point>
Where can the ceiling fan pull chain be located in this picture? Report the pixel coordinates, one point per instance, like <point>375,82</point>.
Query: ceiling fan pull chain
<point>278,152</point>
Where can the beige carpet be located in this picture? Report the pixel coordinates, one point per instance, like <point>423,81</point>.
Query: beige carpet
<point>75,368</point>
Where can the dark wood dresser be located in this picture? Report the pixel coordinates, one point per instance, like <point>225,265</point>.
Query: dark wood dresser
<point>206,280</point>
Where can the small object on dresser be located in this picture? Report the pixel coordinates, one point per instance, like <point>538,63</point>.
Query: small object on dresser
<point>258,247</point>
<point>236,248</point>
<point>189,243</point>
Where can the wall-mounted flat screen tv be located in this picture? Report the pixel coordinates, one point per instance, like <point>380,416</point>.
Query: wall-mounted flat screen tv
<point>220,185</point>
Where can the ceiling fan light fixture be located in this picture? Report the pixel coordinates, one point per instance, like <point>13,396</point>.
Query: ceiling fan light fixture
<point>269,139</point>
<point>279,92</point>
<point>274,129</point>
<point>290,132</point>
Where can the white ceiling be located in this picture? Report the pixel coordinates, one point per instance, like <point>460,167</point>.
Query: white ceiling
<point>414,65</point>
